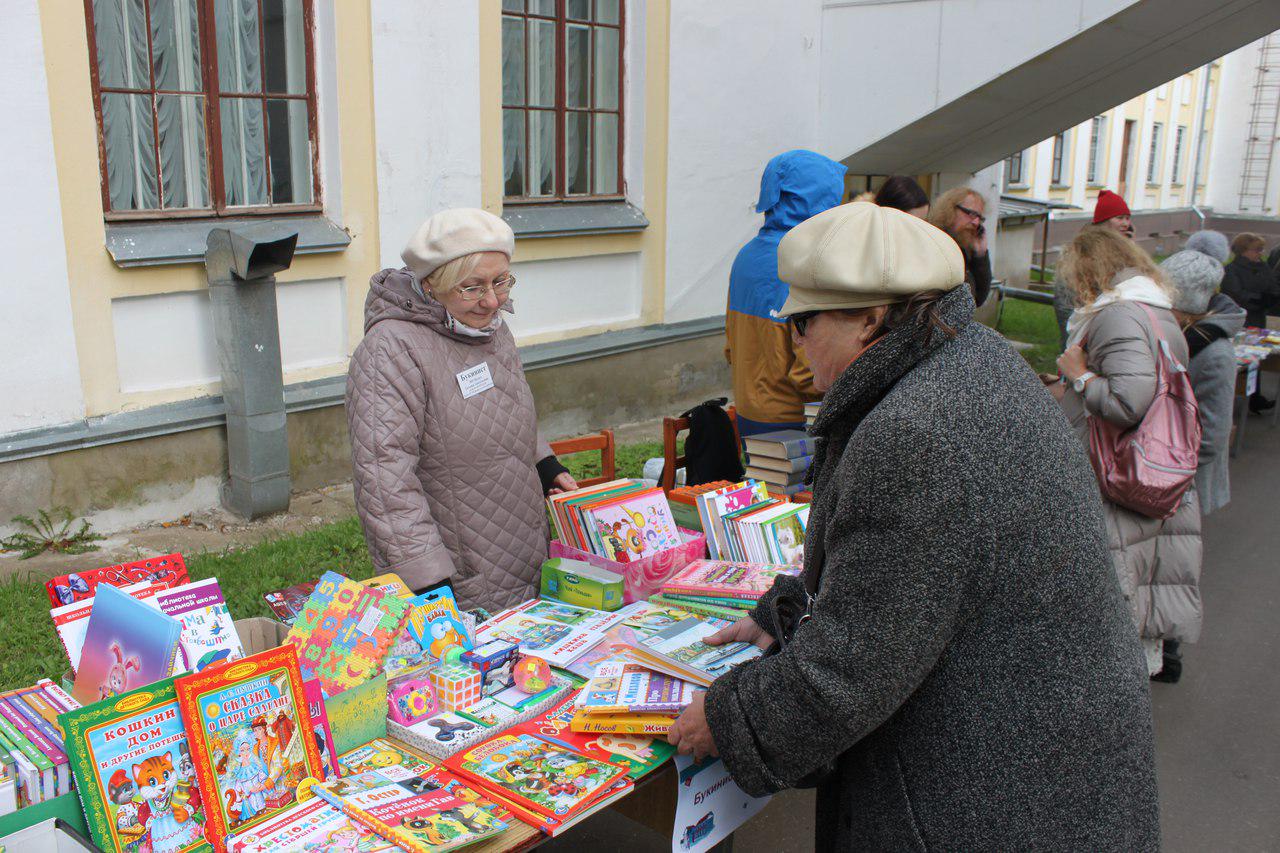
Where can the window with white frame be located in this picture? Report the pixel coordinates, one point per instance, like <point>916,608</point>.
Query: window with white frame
<point>1157,151</point>
<point>1013,174</point>
<point>1059,155</point>
<point>1097,139</point>
<point>1179,143</point>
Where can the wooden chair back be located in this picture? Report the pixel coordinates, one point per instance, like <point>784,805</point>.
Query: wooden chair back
<point>602,441</point>
<point>671,429</point>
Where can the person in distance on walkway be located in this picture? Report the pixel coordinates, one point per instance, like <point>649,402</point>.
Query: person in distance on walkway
<point>961,212</point>
<point>1253,286</point>
<point>1111,212</point>
<point>1109,372</point>
<point>771,379</point>
<point>902,192</point>
<point>956,668</point>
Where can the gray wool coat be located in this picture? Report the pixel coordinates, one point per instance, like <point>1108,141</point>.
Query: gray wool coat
<point>445,485</point>
<point>1157,561</point>
<point>1213,378</point>
<point>969,666</point>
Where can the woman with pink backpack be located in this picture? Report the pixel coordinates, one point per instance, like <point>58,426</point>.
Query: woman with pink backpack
<point>1124,388</point>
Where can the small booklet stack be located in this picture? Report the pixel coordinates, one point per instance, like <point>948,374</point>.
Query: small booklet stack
<point>780,459</point>
<point>811,412</point>
<point>720,588</point>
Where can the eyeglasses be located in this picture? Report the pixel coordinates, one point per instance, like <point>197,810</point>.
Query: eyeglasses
<point>476,292</point>
<point>800,321</point>
<point>973,213</point>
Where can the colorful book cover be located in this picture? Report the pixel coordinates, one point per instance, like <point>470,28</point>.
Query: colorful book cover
<point>680,651</point>
<point>435,623</point>
<point>287,603</point>
<point>558,507</point>
<point>649,618</point>
<point>636,526</point>
<point>126,645</point>
<point>726,580</point>
<point>52,778</point>
<point>390,584</point>
<point>208,632</point>
<point>250,739</point>
<point>620,687</point>
<point>700,607</point>
<point>714,506</point>
<point>613,647</point>
<point>169,570</point>
<point>345,632</point>
<point>359,715</point>
<point>320,727</point>
<point>547,778</point>
<point>311,826</point>
<point>394,760</point>
<point>133,771</point>
<point>556,632</point>
<point>415,815</point>
<point>653,725</point>
<point>639,754</point>
<point>72,620</point>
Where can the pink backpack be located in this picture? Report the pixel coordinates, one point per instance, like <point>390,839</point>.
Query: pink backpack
<point>1149,467</point>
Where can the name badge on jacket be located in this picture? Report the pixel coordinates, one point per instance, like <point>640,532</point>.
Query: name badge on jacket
<point>474,380</point>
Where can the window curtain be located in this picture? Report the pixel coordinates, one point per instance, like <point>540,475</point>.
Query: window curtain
<point>175,50</point>
<point>120,34</point>
<point>244,147</point>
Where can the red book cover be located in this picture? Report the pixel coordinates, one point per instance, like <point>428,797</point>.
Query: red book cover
<point>170,570</point>
<point>251,739</point>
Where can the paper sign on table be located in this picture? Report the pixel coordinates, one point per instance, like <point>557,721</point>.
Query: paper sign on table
<point>709,805</point>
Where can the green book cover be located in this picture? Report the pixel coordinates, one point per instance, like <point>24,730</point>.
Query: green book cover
<point>718,601</point>
<point>133,769</point>
<point>699,608</point>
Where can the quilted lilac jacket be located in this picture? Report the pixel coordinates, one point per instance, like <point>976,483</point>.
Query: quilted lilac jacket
<point>446,487</point>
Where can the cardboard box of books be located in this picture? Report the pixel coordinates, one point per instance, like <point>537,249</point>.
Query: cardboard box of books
<point>258,633</point>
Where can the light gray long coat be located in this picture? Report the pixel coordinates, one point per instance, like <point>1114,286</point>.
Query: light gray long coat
<point>1157,561</point>
<point>1213,378</point>
<point>445,485</point>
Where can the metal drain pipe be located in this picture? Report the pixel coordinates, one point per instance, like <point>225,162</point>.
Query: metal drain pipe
<point>241,266</point>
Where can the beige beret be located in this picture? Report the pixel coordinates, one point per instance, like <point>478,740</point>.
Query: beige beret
<point>450,234</point>
<point>860,255</point>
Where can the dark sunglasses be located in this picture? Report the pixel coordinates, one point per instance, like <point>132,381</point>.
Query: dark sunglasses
<point>800,321</point>
<point>975,214</point>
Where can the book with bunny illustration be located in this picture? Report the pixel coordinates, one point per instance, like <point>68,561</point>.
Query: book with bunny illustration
<point>127,644</point>
<point>639,754</point>
<point>133,770</point>
<point>251,739</point>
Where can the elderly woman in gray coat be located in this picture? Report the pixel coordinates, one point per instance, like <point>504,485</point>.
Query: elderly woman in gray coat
<point>449,468</point>
<point>966,677</point>
<point>1109,372</point>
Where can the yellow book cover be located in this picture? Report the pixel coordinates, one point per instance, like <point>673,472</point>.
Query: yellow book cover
<point>625,724</point>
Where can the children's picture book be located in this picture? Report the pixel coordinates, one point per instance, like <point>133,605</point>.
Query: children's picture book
<point>725,579</point>
<point>653,725</point>
<point>713,506</point>
<point>251,739</point>
<point>436,624</point>
<point>320,727</point>
<point>71,620</point>
<point>546,778</point>
<point>702,607</point>
<point>208,632</point>
<point>389,583</point>
<point>169,570</point>
<point>620,687</point>
<point>639,754</point>
<point>680,651</point>
<point>126,644</point>
<point>345,632</point>
<point>393,760</point>
<point>415,814</point>
<point>634,527</point>
<point>287,603</point>
<point>556,632</point>
<point>649,618</point>
<point>614,646</point>
<point>314,825</point>
<point>134,773</point>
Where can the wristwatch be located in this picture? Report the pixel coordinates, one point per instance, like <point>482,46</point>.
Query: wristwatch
<point>1083,380</point>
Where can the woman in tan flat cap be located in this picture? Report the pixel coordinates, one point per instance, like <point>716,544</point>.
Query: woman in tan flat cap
<point>450,471</point>
<point>955,668</point>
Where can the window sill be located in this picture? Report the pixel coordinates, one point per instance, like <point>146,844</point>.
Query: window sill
<point>531,221</point>
<point>1059,186</point>
<point>1018,186</point>
<point>149,244</point>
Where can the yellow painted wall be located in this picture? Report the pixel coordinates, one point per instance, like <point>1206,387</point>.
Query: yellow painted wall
<point>651,242</point>
<point>95,280</point>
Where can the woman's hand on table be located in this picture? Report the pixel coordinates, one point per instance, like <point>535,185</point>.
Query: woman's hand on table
<point>690,734</point>
<point>563,483</point>
<point>745,630</point>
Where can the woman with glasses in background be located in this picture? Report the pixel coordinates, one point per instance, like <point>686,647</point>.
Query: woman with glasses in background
<point>450,472</point>
<point>961,212</point>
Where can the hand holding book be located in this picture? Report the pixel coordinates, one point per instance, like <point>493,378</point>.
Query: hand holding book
<point>745,630</point>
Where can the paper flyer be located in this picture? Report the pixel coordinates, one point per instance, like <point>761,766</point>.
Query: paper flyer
<point>709,805</point>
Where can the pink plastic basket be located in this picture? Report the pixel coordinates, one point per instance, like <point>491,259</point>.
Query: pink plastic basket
<point>642,578</point>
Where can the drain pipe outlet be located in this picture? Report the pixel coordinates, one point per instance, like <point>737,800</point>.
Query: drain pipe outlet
<point>241,266</point>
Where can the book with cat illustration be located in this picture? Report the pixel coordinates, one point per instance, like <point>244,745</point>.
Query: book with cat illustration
<point>127,644</point>
<point>133,771</point>
<point>251,739</point>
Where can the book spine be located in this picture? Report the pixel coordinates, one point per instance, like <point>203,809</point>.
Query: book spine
<point>605,727</point>
<point>60,696</point>
<point>736,598</point>
<point>53,756</point>
<point>40,785</point>
<point>718,600</point>
<point>700,609</point>
<point>50,742</point>
<point>365,819</point>
<point>24,771</point>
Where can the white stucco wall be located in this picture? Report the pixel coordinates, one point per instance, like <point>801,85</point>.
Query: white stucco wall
<point>40,382</point>
<point>426,96</point>
<point>744,87</point>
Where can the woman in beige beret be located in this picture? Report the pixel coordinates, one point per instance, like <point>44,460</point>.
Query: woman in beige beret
<point>449,469</point>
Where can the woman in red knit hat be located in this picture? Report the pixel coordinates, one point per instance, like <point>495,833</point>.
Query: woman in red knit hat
<point>1110,212</point>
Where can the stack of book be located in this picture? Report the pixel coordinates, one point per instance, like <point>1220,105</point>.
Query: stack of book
<point>684,502</point>
<point>33,758</point>
<point>811,412</point>
<point>719,588</point>
<point>744,522</point>
<point>780,459</point>
<point>623,520</point>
